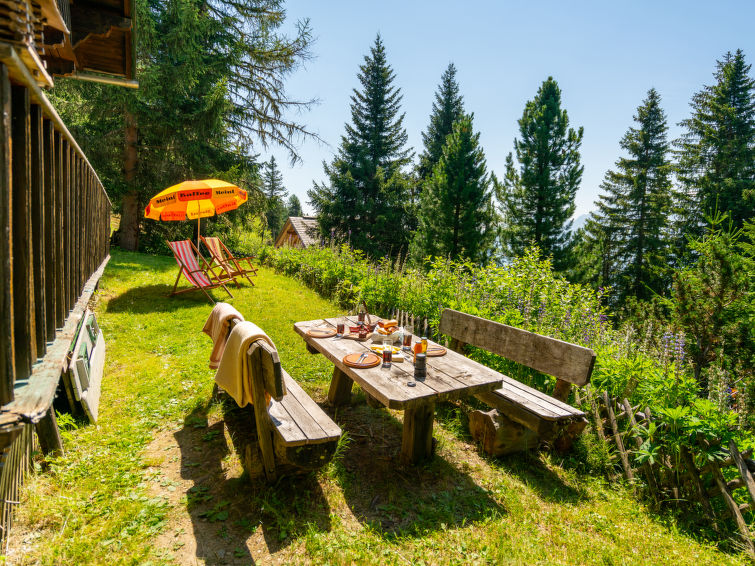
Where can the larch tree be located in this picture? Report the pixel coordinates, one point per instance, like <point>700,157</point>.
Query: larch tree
<point>456,214</point>
<point>367,191</point>
<point>716,154</point>
<point>632,220</point>
<point>537,196</point>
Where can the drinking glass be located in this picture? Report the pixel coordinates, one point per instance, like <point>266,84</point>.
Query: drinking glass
<point>340,325</point>
<point>387,352</point>
<point>407,343</point>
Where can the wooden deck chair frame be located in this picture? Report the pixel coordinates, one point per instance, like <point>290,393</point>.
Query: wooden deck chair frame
<point>214,280</point>
<point>229,263</point>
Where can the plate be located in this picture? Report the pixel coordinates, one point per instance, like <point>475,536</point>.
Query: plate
<point>321,332</point>
<point>369,361</point>
<point>435,351</point>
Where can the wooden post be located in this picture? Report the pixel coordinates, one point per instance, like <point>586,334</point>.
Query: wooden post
<point>417,438</point>
<point>340,388</point>
<point>23,270</point>
<point>646,468</point>
<point>261,419</point>
<point>694,475</point>
<point>60,288</point>
<point>617,438</point>
<point>38,205</point>
<point>733,508</point>
<point>562,390</point>
<point>49,435</point>
<point>744,472</point>
<point>51,236</point>
<point>7,343</point>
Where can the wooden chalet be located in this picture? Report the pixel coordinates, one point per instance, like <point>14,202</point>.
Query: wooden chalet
<point>54,213</point>
<point>299,232</point>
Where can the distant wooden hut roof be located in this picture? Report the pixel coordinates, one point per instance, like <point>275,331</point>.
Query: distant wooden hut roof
<point>303,227</point>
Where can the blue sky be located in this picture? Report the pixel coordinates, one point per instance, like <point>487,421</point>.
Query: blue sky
<point>604,55</point>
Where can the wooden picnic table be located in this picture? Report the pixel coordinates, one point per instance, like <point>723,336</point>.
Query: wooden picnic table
<point>451,376</point>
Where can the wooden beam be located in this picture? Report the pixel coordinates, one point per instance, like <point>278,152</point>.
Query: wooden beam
<point>38,206</point>
<point>23,271</point>
<point>563,360</point>
<point>7,342</point>
<point>51,235</point>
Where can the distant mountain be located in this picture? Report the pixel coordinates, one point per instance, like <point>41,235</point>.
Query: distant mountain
<point>580,221</point>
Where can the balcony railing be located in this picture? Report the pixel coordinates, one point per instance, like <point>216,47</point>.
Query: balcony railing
<point>54,244</point>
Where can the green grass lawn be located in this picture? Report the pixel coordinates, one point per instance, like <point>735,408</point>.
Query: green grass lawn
<point>158,480</point>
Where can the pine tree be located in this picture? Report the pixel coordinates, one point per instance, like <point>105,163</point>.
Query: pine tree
<point>272,186</point>
<point>538,197</point>
<point>456,215</point>
<point>448,108</point>
<point>367,193</point>
<point>632,220</point>
<point>716,155</point>
<point>294,206</point>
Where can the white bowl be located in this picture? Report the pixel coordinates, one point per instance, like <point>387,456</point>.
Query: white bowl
<point>378,338</point>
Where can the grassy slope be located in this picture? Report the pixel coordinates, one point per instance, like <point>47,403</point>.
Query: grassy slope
<point>96,504</point>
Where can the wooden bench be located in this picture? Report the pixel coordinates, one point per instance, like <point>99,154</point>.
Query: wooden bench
<point>523,417</point>
<point>294,433</point>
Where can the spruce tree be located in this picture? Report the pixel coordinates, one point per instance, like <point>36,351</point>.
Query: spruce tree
<point>272,186</point>
<point>448,108</point>
<point>294,206</point>
<point>456,215</point>
<point>632,220</point>
<point>716,154</point>
<point>367,190</point>
<point>538,195</point>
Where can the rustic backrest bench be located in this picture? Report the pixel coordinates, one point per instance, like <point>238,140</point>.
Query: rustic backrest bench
<point>547,417</point>
<point>293,432</point>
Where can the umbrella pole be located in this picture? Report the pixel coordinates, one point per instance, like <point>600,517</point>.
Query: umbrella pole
<point>199,226</point>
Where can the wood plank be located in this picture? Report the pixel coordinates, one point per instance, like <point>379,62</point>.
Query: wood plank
<point>264,428</point>
<point>305,417</point>
<point>49,436</point>
<point>60,289</point>
<point>50,239</point>
<point>285,427</point>
<point>515,411</point>
<point>330,430</point>
<point>7,326</point>
<point>67,226</point>
<point>34,398</point>
<point>23,270</point>
<point>561,359</point>
<point>38,227</point>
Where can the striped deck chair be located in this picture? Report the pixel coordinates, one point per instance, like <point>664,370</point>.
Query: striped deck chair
<point>227,261</point>
<point>202,277</point>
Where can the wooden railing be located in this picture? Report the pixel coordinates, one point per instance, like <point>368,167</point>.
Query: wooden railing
<point>54,244</point>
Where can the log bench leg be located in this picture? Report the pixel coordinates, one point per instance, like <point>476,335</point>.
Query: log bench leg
<point>417,441</point>
<point>340,388</point>
<point>311,349</point>
<point>48,434</point>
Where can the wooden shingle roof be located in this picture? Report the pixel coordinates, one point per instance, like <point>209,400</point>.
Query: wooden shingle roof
<point>304,227</point>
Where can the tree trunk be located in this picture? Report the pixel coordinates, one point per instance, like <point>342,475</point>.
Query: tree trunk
<point>130,206</point>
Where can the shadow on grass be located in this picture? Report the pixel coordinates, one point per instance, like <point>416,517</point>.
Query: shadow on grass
<point>155,298</point>
<point>225,512</point>
<point>399,500</point>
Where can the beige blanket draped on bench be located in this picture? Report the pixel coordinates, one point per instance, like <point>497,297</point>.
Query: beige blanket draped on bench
<point>233,372</point>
